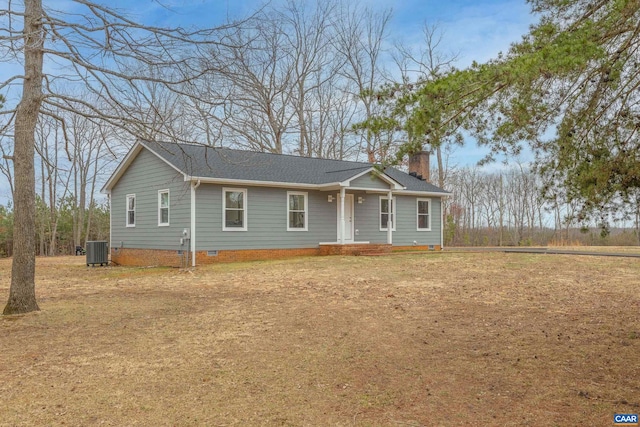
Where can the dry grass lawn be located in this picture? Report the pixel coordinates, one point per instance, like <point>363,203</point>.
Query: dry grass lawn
<point>449,339</point>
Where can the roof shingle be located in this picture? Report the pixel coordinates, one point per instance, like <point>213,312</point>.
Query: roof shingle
<point>225,163</point>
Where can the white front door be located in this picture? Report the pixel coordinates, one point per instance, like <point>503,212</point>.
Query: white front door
<point>348,218</point>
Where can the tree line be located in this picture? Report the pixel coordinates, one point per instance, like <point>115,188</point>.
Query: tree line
<point>506,207</point>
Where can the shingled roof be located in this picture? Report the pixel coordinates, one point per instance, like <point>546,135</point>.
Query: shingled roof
<point>200,161</point>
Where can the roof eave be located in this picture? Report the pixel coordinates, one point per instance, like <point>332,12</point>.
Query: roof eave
<point>325,187</point>
<point>425,193</point>
<point>122,167</point>
<point>383,176</point>
<point>255,183</point>
<point>176,168</point>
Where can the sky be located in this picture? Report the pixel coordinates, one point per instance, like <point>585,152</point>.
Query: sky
<point>475,30</point>
<point>478,30</point>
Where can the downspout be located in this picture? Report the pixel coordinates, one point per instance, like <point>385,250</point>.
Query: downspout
<point>392,210</point>
<point>110,224</point>
<point>442,220</point>
<point>342,222</point>
<point>193,222</point>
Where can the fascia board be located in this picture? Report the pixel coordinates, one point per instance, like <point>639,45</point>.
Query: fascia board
<point>177,169</point>
<point>386,178</point>
<point>122,167</point>
<point>423,193</point>
<point>252,183</point>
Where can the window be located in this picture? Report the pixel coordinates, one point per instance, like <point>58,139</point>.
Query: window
<point>424,214</point>
<point>296,211</point>
<point>131,210</point>
<point>385,211</point>
<point>163,207</point>
<point>234,209</point>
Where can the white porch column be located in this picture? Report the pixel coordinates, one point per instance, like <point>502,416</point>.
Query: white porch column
<point>389,220</point>
<point>342,221</point>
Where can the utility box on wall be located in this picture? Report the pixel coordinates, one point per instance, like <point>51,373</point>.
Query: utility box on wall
<point>97,253</point>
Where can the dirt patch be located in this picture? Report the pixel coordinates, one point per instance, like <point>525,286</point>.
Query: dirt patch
<point>405,340</point>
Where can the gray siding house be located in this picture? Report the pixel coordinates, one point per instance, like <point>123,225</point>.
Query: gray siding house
<point>175,204</point>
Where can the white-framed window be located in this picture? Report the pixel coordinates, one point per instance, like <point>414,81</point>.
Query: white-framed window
<point>423,213</point>
<point>297,210</point>
<point>131,210</point>
<point>387,209</point>
<point>163,208</point>
<point>234,209</point>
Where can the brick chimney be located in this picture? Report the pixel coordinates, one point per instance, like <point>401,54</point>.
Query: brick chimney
<point>419,164</point>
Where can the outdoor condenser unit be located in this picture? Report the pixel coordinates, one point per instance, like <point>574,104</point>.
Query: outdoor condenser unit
<point>97,253</point>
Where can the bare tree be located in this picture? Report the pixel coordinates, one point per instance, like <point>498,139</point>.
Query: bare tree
<point>98,49</point>
<point>313,67</point>
<point>54,181</point>
<point>360,35</point>
<point>252,78</point>
<point>496,199</point>
<point>90,155</point>
<point>6,149</point>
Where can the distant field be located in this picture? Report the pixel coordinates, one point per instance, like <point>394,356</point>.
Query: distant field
<point>442,339</point>
<point>619,249</point>
<point>607,249</point>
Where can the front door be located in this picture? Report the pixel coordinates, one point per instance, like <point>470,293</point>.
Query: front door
<point>348,218</point>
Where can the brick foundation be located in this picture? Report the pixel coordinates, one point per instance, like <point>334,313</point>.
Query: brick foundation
<point>415,248</point>
<point>356,249</point>
<point>253,255</point>
<point>146,257</point>
<point>154,257</point>
<point>157,257</point>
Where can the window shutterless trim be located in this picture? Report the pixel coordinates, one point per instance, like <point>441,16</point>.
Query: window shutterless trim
<point>126,218</point>
<point>160,193</point>
<point>418,214</point>
<point>245,205</point>
<point>305,210</point>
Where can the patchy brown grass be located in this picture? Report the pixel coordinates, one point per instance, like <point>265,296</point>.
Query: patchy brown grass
<point>407,340</point>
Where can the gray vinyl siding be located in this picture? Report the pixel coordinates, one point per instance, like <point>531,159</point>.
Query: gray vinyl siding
<point>145,177</point>
<point>367,221</point>
<point>369,181</point>
<point>266,214</point>
<point>266,220</point>
<point>407,227</point>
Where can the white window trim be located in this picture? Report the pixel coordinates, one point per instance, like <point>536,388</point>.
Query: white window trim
<point>126,210</point>
<point>395,219</point>
<point>224,209</point>
<point>418,214</point>
<point>160,223</point>
<point>306,210</point>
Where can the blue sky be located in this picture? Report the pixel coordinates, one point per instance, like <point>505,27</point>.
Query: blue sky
<point>476,30</point>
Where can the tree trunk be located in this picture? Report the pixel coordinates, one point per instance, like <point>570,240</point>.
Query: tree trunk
<point>22,294</point>
<point>440,166</point>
